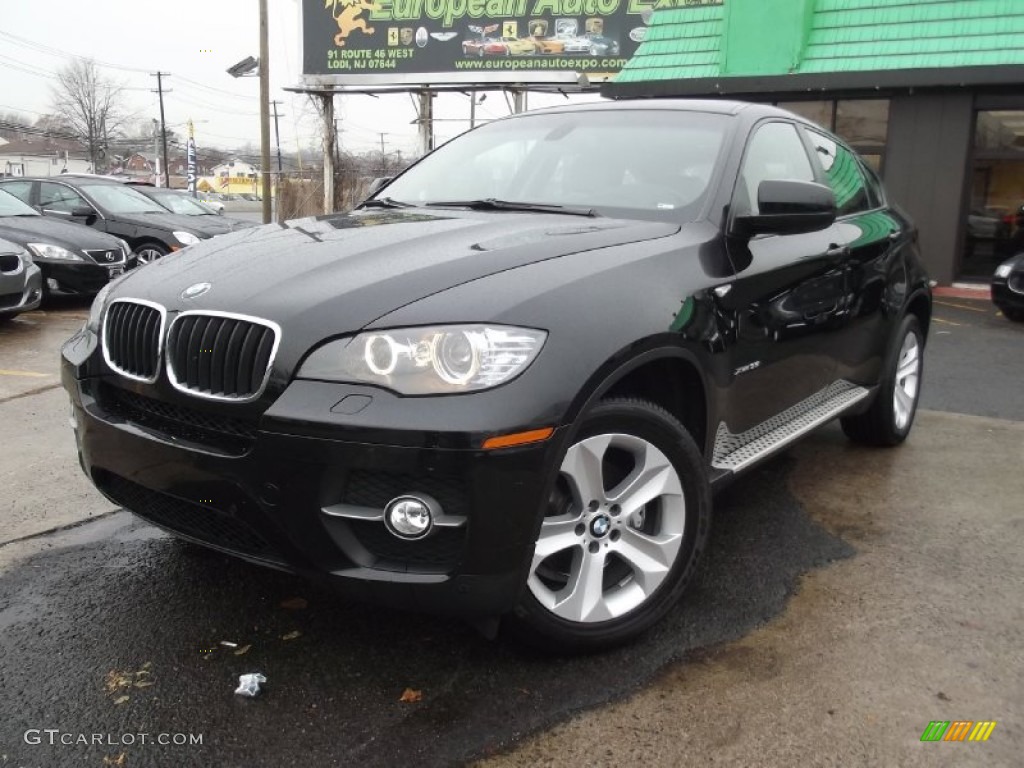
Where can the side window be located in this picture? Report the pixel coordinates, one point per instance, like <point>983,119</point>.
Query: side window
<point>844,175</point>
<point>57,197</point>
<point>775,152</point>
<point>20,189</point>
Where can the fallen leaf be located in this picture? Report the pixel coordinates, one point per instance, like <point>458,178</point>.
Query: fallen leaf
<point>942,697</point>
<point>291,635</point>
<point>142,684</point>
<point>121,699</point>
<point>410,696</point>
<point>228,644</point>
<point>242,650</point>
<point>119,760</point>
<point>295,603</point>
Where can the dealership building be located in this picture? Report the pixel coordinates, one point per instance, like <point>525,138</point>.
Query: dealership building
<point>930,92</point>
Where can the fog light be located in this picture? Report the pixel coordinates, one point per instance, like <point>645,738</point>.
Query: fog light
<point>52,284</point>
<point>411,517</point>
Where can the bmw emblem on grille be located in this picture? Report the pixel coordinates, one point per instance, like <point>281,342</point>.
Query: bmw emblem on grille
<point>194,291</point>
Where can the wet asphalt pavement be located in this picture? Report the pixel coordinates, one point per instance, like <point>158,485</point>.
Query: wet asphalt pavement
<point>115,596</point>
<point>113,609</point>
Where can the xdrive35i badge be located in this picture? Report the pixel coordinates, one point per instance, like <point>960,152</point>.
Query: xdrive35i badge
<point>193,291</point>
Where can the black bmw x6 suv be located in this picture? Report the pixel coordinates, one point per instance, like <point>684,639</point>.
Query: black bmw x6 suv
<point>508,384</point>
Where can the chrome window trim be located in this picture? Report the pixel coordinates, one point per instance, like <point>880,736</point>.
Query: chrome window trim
<point>159,338</point>
<point>233,316</point>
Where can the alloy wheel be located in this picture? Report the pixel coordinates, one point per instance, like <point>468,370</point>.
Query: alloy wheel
<point>146,255</point>
<point>605,551</point>
<point>908,375</point>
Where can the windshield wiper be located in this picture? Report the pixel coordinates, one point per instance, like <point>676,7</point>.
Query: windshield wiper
<point>493,204</point>
<point>385,202</point>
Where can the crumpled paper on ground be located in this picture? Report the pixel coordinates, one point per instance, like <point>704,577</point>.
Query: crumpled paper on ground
<point>249,685</point>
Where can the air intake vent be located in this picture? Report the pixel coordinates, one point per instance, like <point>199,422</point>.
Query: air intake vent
<point>221,356</point>
<point>133,333</point>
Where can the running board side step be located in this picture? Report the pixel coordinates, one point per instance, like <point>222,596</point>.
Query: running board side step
<point>736,452</point>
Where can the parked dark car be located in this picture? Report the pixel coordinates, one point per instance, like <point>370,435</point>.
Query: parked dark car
<point>110,206</point>
<point>73,258</point>
<point>21,282</point>
<point>508,384</point>
<point>180,203</point>
<point>1008,288</point>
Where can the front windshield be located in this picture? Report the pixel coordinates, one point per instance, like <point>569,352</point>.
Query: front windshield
<point>118,199</point>
<point>176,203</point>
<point>646,163</point>
<point>12,206</point>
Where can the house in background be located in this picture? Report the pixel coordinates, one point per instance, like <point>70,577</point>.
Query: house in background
<point>233,176</point>
<point>37,156</point>
<point>929,92</point>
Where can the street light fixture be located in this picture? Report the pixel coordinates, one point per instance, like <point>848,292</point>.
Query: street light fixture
<point>247,67</point>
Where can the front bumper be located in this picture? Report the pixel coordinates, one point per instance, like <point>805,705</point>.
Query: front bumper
<point>84,277</point>
<point>1008,292</point>
<point>259,489</point>
<point>27,293</point>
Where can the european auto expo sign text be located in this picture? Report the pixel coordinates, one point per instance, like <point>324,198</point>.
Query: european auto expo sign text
<point>409,37</point>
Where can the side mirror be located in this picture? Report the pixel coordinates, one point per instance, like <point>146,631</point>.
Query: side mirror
<point>788,207</point>
<point>82,212</point>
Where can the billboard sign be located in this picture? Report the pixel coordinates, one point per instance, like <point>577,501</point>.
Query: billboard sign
<point>472,41</point>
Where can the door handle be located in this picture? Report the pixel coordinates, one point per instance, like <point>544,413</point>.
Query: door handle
<point>837,252</point>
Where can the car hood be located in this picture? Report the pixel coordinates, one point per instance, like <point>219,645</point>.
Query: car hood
<point>214,224</point>
<point>45,229</point>
<point>332,275</point>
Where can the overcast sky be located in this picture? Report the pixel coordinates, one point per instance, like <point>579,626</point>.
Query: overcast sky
<point>196,41</point>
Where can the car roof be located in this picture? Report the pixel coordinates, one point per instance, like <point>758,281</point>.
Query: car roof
<point>712,106</point>
<point>75,177</point>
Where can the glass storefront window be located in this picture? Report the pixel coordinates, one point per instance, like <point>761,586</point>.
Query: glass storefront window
<point>863,123</point>
<point>994,229</point>
<point>819,112</point>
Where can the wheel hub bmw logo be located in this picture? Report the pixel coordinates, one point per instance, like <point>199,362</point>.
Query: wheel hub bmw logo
<point>599,525</point>
<point>194,291</point>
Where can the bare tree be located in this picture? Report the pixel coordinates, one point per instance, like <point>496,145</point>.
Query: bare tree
<point>90,105</point>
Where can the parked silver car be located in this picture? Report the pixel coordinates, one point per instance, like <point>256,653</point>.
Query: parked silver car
<point>21,281</point>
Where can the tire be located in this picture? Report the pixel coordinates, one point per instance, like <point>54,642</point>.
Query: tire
<point>8,318</point>
<point>643,542</point>
<point>1013,314</point>
<point>152,250</point>
<point>889,419</point>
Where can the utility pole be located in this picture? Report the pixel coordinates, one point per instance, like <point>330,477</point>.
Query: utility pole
<point>265,111</point>
<point>163,126</point>
<point>426,110</point>
<point>327,110</point>
<point>277,137</point>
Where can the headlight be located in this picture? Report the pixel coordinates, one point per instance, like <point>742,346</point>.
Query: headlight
<point>47,252</point>
<point>96,311</point>
<point>185,238</point>
<point>432,360</point>
<point>1004,270</point>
